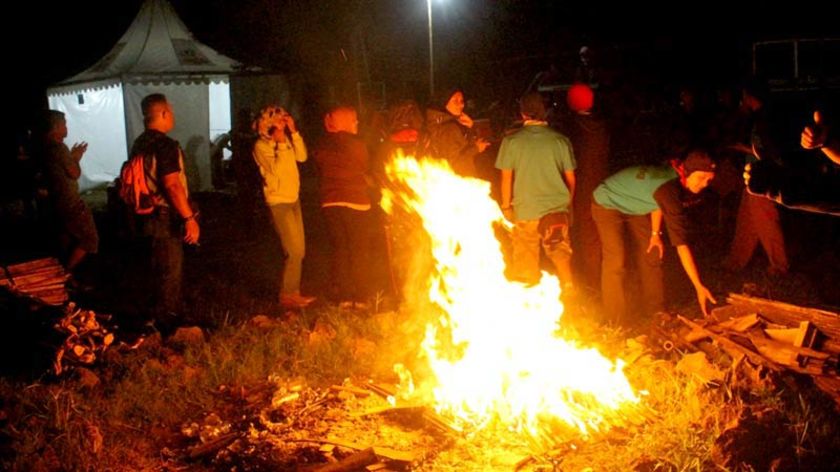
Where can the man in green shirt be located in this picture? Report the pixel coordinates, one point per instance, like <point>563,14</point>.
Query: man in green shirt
<point>637,199</point>
<point>538,182</point>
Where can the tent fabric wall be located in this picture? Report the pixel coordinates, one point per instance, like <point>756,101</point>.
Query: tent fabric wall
<point>97,118</point>
<point>157,53</point>
<point>192,124</point>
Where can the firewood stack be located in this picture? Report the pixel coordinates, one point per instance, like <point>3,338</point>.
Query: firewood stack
<point>775,335</point>
<point>41,279</point>
<point>86,339</point>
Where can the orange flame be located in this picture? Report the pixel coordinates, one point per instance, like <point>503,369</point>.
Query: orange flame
<point>493,351</point>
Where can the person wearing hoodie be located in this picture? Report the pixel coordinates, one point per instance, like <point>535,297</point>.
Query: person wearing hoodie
<point>277,152</point>
<point>450,134</point>
<point>342,160</point>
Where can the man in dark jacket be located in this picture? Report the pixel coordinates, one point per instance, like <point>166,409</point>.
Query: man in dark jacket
<point>342,160</point>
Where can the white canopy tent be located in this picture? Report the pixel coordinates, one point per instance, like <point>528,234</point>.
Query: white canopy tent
<point>157,54</point>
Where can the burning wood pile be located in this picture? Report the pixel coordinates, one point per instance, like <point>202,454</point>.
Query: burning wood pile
<point>770,335</point>
<point>341,428</point>
<point>85,339</point>
<point>40,279</point>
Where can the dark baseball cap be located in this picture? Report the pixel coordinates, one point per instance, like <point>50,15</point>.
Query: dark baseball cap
<point>698,161</point>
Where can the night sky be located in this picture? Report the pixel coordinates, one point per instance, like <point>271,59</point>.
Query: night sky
<point>489,47</point>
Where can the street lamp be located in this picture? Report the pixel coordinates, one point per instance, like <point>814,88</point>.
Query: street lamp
<point>431,53</point>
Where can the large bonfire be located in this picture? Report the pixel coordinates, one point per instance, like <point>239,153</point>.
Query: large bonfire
<point>494,350</point>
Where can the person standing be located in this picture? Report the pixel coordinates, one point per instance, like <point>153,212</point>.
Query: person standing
<point>451,136</point>
<point>277,152</point>
<point>590,139</point>
<point>342,160</point>
<point>78,236</point>
<point>538,184</point>
<point>173,222</point>
<point>758,220</point>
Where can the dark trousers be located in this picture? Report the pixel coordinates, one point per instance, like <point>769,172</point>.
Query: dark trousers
<point>350,236</point>
<point>613,226</point>
<point>161,237</point>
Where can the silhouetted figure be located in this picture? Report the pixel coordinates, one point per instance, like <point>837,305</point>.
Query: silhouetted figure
<point>590,138</point>
<point>245,170</point>
<point>173,222</point>
<point>78,236</point>
<point>758,218</point>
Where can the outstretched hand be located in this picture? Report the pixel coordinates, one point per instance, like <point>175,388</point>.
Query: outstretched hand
<point>703,295</point>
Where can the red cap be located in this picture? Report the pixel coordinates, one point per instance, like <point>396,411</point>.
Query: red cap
<point>580,97</point>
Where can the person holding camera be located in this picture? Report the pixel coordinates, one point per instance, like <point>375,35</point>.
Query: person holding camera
<point>277,151</point>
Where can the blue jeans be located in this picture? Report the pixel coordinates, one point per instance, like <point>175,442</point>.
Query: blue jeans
<point>288,222</point>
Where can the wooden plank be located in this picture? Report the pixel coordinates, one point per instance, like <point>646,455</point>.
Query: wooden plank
<point>356,461</point>
<point>394,455</point>
<point>354,390</point>
<point>212,446</point>
<point>428,414</point>
<point>827,322</point>
<point>732,346</point>
<point>803,336</point>
<point>741,323</point>
<point>32,265</point>
<point>831,386</point>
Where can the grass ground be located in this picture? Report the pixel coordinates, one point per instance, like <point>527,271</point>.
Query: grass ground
<point>145,396</point>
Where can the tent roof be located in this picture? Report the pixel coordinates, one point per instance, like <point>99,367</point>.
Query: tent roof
<point>156,45</point>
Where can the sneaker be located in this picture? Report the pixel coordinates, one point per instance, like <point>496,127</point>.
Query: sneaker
<point>295,300</point>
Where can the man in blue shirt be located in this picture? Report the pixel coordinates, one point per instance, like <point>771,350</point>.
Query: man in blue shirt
<point>538,182</point>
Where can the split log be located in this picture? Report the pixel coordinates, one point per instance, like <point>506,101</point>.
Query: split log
<point>429,415</point>
<point>827,322</point>
<point>803,336</point>
<point>732,347</point>
<point>41,279</point>
<point>831,386</point>
<point>741,323</point>
<point>32,265</point>
<point>792,357</point>
<point>212,446</point>
<point>332,442</point>
<point>355,391</point>
<point>355,461</point>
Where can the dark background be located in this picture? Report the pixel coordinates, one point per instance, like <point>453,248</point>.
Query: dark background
<point>492,48</point>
